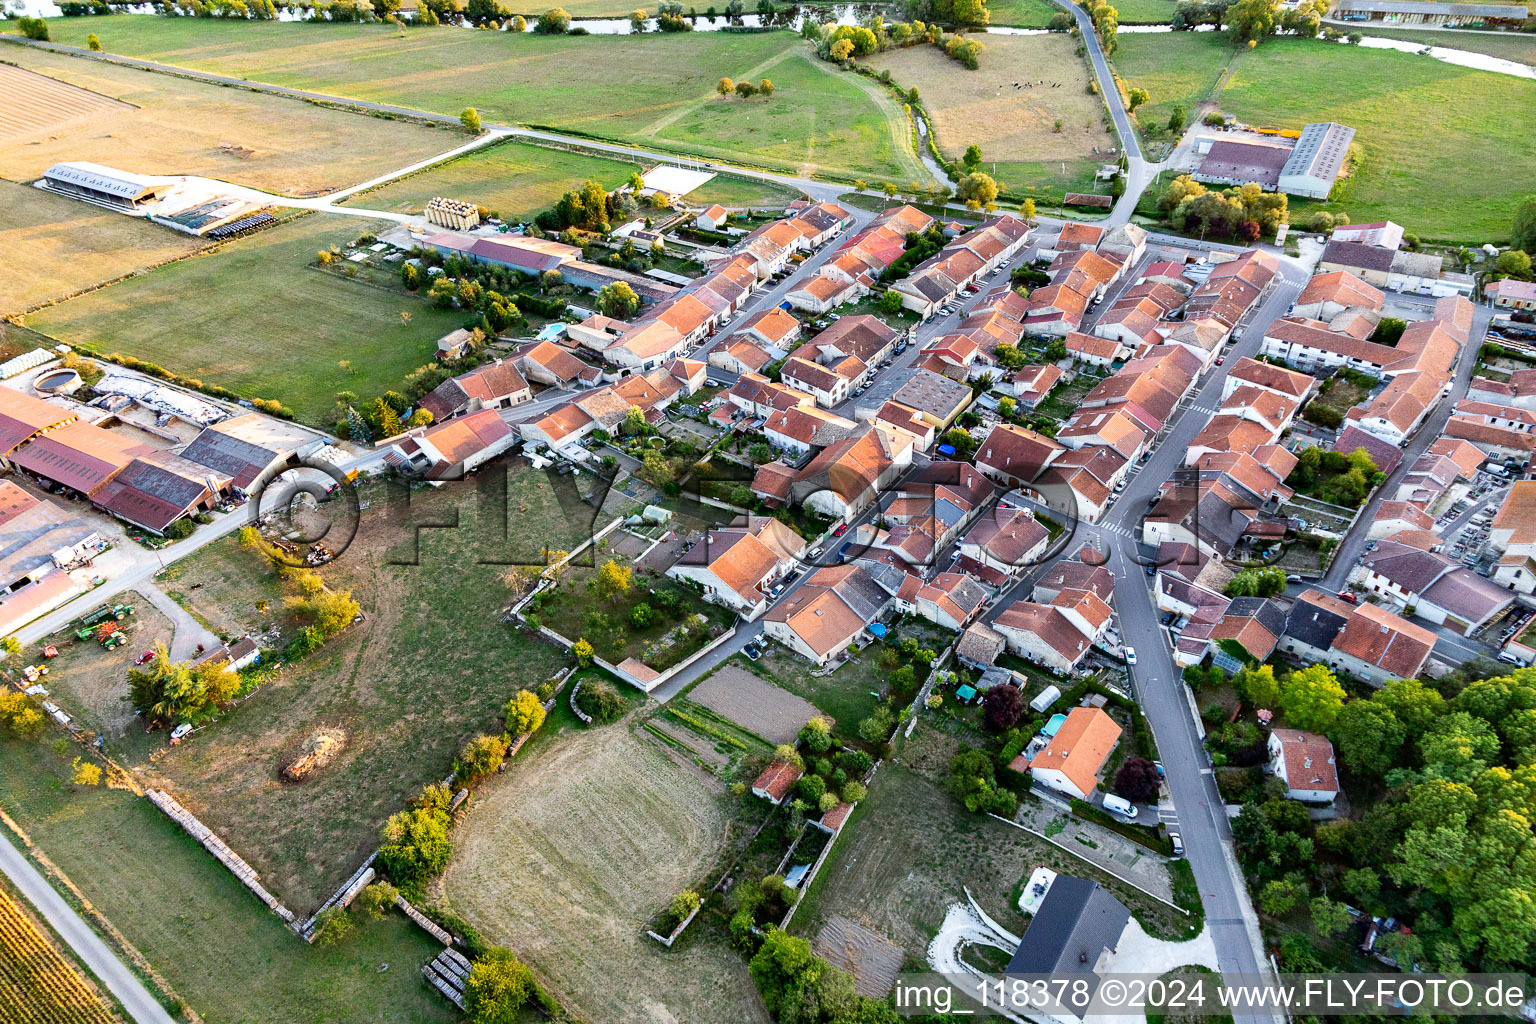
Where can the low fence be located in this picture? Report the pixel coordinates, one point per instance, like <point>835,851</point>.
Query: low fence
<point>220,850</point>
<point>342,897</point>
<point>643,685</point>
<point>430,926</point>
<point>673,936</point>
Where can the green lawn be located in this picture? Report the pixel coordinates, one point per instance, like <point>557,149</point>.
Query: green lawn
<point>1145,12</point>
<point>1446,150</point>
<point>732,191</point>
<point>255,317</point>
<point>218,947</point>
<point>515,179</point>
<point>648,89</point>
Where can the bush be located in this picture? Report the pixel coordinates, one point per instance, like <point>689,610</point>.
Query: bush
<point>33,28</point>
<point>523,713</point>
<point>415,845</point>
<point>600,700</point>
<point>332,925</point>
<point>498,987</point>
<point>481,756</point>
<point>375,899</point>
<point>181,529</point>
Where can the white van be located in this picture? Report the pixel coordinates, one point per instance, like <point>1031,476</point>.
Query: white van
<point>1119,806</point>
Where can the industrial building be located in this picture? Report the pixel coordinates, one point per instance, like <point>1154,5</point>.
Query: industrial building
<point>1306,166</point>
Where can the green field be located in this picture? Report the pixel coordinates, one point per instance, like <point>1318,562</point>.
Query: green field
<point>513,178</point>
<point>653,89</point>
<point>1446,150</point>
<point>255,317</point>
<point>1181,67</point>
<point>1509,45</point>
<point>1022,13</point>
<point>218,947</point>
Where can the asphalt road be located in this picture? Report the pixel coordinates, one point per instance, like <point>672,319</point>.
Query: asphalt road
<point>103,963</point>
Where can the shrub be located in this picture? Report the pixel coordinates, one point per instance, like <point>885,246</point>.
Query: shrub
<point>481,756</point>
<point>332,925</point>
<point>33,28</point>
<point>415,846</point>
<point>812,787</point>
<point>498,987</point>
<point>600,700</point>
<point>375,899</point>
<point>524,713</point>
<point>181,529</point>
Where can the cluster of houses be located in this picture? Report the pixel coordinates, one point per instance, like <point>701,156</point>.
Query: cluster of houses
<point>1375,254</point>
<point>854,270</point>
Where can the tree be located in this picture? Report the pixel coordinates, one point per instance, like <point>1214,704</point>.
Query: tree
<point>618,300</point>
<point>1178,117</point>
<point>972,158</point>
<point>583,652</point>
<point>166,691</point>
<point>1278,897</point>
<point>1369,736</point>
<point>977,187</point>
<point>85,773</point>
<point>1137,780</point>
<point>746,90</point>
<point>33,28</point>
<point>684,904</point>
<point>375,899</point>
<point>1523,230</point>
<point>1329,917</point>
<point>973,783</point>
<point>481,756</point>
<point>553,22</point>
<point>415,845</point>
<point>1135,98</point>
<point>1312,698</point>
<point>725,87</point>
<point>93,43</point>
<point>1027,209</point>
<point>1514,263</point>
<point>1389,330</point>
<point>766,86</point>
<point>613,579</point>
<point>637,20</point>
<point>1251,21</point>
<point>1258,686</point>
<point>469,117</point>
<point>1256,583</point>
<point>877,727</point>
<point>499,985</point>
<point>890,302</point>
<point>1002,705</point>
<point>10,645</point>
<point>20,718</point>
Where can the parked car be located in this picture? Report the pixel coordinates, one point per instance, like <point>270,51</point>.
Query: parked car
<point>1151,570</point>
<point>1220,360</point>
<point>1130,655</point>
<point>1348,597</point>
<point>816,552</point>
<point>841,529</point>
<point>144,658</point>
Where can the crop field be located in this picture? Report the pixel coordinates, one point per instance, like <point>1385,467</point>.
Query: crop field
<point>37,985</point>
<point>195,923</point>
<point>41,104</point>
<point>55,246</point>
<point>581,842</point>
<point>1445,148</point>
<point>1015,126</point>
<point>256,318</point>
<point>913,849</point>
<point>652,89</point>
<point>754,704</point>
<point>513,178</point>
<point>430,666</point>
<point>159,124</point>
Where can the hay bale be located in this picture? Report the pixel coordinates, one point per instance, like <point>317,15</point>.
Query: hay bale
<point>319,749</point>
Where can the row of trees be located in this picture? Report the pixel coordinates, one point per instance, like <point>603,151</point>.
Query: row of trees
<point>746,90</point>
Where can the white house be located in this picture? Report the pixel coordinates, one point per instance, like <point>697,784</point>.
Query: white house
<point>1304,762</point>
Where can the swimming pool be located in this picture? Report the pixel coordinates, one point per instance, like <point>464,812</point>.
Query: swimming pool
<point>1053,724</point>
